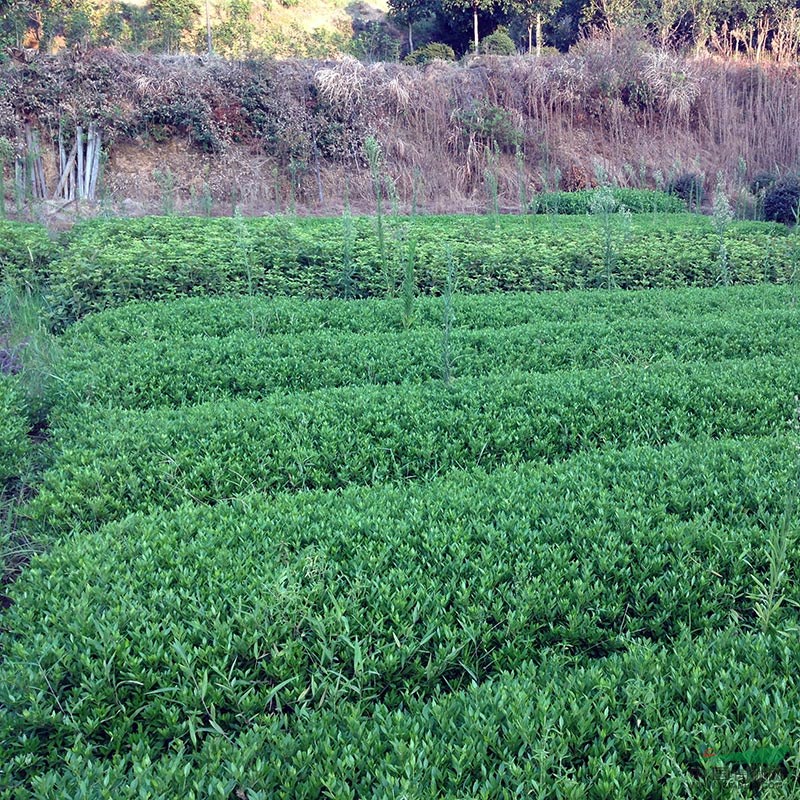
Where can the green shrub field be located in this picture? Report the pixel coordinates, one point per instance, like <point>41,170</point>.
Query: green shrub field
<point>637,201</point>
<point>446,543</point>
<point>107,262</point>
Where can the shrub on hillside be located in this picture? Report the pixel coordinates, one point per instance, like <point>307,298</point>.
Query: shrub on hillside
<point>489,124</point>
<point>762,181</point>
<point>782,201</point>
<point>498,43</point>
<point>689,187</point>
<point>637,201</point>
<point>430,52</point>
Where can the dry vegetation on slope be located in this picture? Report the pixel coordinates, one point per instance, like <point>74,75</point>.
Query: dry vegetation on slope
<point>213,134</point>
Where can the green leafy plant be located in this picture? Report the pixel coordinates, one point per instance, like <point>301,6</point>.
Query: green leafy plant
<point>489,125</point>
<point>498,43</point>
<point>106,262</point>
<point>429,52</point>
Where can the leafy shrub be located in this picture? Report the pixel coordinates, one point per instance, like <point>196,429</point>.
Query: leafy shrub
<point>690,187</point>
<point>481,741</point>
<point>25,252</point>
<point>112,462</point>
<point>489,124</point>
<point>141,373</point>
<point>782,200</point>
<point>600,587</point>
<point>635,200</point>
<point>498,43</point>
<point>197,317</point>
<point>109,262</point>
<point>430,52</point>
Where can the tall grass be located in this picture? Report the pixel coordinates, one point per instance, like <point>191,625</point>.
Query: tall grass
<point>448,321</point>
<point>25,336</point>
<point>375,160</point>
<point>723,216</point>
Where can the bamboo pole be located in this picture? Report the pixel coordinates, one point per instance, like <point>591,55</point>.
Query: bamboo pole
<point>79,176</point>
<point>96,165</point>
<point>61,189</point>
<point>39,166</point>
<point>89,163</point>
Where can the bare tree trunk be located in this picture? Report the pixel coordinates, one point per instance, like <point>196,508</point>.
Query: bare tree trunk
<point>89,160</point>
<point>209,42</point>
<point>538,34</point>
<point>530,38</point>
<point>475,24</point>
<point>410,38</point>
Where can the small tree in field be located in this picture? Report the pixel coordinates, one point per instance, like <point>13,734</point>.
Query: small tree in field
<point>534,12</point>
<point>407,12</point>
<point>476,6</point>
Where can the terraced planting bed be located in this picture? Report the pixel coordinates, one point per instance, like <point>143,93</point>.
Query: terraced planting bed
<point>286,554</point>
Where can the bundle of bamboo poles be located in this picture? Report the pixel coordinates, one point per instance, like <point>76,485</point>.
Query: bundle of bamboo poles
<point>80,168</point>
<point>29,172</point>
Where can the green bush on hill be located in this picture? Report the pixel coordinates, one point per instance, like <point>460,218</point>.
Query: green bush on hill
<point>637,201</point>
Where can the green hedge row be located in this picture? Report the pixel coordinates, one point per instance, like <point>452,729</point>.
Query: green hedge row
<point>109,262</point>
<point>153,372</point>
<point>14,444</point>
<point>637,201</point>
<point>112,462</point>
<point>634,725</point>
<point>222,316</point>
<point>26,251</point>
<point>181,625</point>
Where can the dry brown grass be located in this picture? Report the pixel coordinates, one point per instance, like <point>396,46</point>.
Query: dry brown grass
<point>625,106</point>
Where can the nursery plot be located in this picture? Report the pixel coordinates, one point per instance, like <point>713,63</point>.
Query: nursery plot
<point>179,371</point>
<point>312,567</point>
<point>109,262</point>
<point>151,628</point>
<point>110,462</point>
<point>254,315</point>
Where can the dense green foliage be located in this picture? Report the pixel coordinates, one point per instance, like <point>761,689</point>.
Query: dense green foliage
<point>25,252</point>
<point>110,462</point>
<point>14,447</point>
<point>429,52</point>
<point>259,316</point>
<point>197,368</point>
<point>239,28</point>
<point>553,727</point>
<point>108,262</point>
<point>287,559</point>
<point>637,201</point>
<point>223,617</point>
